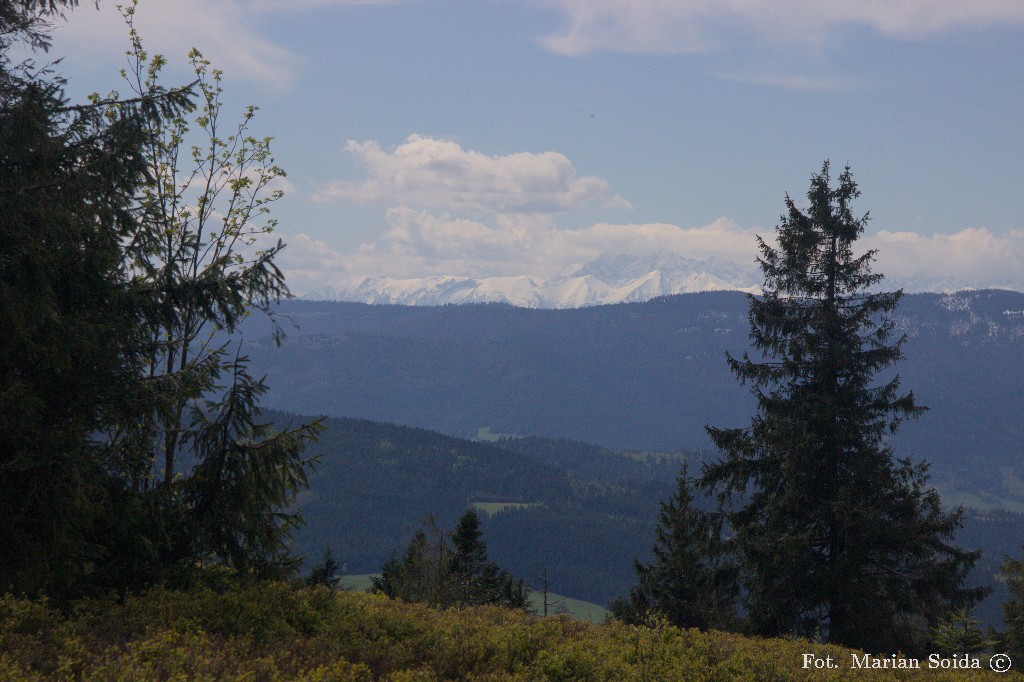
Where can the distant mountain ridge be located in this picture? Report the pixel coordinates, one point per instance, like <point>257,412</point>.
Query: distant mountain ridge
<point>609,278</point>
<point>647,375</point>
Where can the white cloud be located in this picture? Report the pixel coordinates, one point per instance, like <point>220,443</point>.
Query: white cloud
<point>303,5</point>
<point>424,172</point>
<point>693,26</point>
<point>420,243</point>
<point>307,263</point>
<point>973,257</point>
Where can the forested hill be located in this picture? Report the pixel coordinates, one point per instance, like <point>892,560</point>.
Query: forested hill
<point>376,482</point>
<point>581,511</point>
<point>642,375</point>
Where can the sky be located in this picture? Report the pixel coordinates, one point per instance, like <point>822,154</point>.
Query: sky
<point>508,137</point>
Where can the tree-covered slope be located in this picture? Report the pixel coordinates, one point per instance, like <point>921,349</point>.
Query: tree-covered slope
<point>376,482</point>
<point>645,376</point>
<point>584,512</point>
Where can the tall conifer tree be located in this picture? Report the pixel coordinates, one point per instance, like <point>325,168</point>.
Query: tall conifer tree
<point>68,322</point>
<point>836,537</point>
<point>111,299</point>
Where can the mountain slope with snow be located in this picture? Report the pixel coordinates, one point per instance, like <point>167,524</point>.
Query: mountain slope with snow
<point>606,279</point>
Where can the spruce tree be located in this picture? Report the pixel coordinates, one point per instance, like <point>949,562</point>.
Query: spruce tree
<point>327,571</point>
<point>469,559</point>
<point>690,582</point>
<point>961,633</point>
<point>477,579</point>
<point>112,298</point>
<point>69,320</point>
<point>837,537</point>
<point>434,573</point>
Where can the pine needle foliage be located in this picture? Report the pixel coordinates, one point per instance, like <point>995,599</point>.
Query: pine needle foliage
<point>326,572</point>
<point>132,450</point>
<point>69,331</point>
<point>448,569</point>
<point>690,583</point>
<point>835,536</point>
<point>961,633</point>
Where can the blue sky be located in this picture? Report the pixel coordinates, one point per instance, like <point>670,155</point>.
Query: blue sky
<point>506,137</point>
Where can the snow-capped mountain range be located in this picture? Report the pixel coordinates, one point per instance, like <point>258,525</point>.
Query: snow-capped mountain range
<point>609,278</point>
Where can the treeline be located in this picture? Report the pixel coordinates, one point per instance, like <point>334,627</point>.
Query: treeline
<point>588,462</point>
<point>450,569</point>
<point>376,482</point>
<point>132,450</point>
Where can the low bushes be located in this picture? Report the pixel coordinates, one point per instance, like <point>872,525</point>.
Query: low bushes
<point>275,631</point>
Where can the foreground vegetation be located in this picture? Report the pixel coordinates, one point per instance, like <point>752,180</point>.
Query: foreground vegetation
<point>275,631</point>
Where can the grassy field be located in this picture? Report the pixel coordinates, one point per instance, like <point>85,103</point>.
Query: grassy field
<point>577,609</point>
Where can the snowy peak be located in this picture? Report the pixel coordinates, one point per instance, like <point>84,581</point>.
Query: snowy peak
<point>609,278</point>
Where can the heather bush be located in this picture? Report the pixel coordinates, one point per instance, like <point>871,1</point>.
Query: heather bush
<point>271,632</point>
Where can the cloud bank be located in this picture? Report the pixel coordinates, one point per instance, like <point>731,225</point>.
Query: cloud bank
<point>973,257</point>
<point>453,211</point>
<point>420,243</point>
<point>700,26</point>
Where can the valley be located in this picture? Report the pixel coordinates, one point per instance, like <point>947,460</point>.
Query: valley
<point>639,381</point>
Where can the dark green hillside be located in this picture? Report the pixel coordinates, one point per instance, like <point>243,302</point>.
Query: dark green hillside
<point>589,462</point>
<point>594,509</point>
<point>965,360</point>
<point>376,482</point>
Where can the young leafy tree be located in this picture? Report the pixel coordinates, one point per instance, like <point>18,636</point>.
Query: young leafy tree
<point>690,583</point>
<point>836,536</point>
<point>221,475</point>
